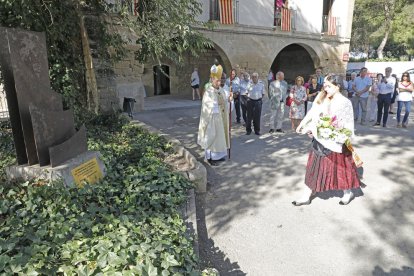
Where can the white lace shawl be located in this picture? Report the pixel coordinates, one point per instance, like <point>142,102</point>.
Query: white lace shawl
<point>340,107</point>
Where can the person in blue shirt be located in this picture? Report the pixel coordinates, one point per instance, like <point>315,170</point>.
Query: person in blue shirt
<point>361,86</point>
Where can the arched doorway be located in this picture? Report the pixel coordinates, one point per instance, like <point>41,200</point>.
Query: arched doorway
<point>295,60</point>
<point>161,79</point>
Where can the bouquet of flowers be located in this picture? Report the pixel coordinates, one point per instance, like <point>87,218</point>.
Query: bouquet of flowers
<point>330,128</point>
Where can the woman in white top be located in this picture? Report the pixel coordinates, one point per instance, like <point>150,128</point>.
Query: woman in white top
<point>404,98</point>
<point>330,162</point>
<point>195,83</point>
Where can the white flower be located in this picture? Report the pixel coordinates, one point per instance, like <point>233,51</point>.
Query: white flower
<point>340,138</point>
<point>325,132</point>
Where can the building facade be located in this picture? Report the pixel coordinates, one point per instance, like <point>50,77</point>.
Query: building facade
<point>256,36</point>
<point>294,37</point>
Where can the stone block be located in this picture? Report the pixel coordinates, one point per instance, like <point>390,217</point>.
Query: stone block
<point>62,172</point>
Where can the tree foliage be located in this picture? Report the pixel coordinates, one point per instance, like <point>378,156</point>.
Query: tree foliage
<point>164,29</point>
<point>381,27</point>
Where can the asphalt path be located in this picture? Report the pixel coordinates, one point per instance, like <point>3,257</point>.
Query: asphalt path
<point>248,226</point>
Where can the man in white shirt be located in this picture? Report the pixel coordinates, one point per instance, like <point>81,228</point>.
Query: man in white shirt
<point>361,87</point>
<point>386,89</point>
<point>235,89</point>
<point>244,87</point>
<point>255,94</point>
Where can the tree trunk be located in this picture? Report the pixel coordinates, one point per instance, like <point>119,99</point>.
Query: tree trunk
<point>380,49</point>
<point>389,12</point>
<point>91,85</point>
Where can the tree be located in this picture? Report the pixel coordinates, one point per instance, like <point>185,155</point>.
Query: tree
<point>165,29</point>
<point>376,22</point>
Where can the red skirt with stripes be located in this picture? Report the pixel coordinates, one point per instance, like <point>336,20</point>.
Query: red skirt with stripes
<point>327,170</point>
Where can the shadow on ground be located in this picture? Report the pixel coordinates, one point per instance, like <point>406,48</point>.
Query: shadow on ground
<point>269,166</point>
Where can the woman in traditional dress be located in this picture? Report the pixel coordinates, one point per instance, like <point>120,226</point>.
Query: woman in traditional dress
<point>330,162</point>
<point>298,96</point>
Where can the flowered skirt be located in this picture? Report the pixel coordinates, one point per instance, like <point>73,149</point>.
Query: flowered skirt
<point>328,170</point>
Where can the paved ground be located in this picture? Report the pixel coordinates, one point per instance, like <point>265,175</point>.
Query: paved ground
<point>247,225</point>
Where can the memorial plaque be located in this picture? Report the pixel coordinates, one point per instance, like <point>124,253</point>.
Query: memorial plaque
<point>72,147</point>
<point>88,171</point>
<point>50,128</point>
<point>9,87</point>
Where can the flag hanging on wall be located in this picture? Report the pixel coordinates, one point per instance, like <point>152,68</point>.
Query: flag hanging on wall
<point>285,24</point>
<point>331,25</point>
<point>226,12</point>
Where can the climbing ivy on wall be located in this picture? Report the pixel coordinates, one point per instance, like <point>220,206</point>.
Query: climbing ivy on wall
<point>60,21</point>
<point>164,29</point>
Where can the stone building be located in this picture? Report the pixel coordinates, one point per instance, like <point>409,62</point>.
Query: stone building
<point>254,36</point>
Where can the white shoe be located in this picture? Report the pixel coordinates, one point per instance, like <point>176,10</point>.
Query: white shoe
<point>305,199</point>
<point>348,196</point>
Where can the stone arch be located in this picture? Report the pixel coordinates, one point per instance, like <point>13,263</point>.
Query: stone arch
<point>296,59</point>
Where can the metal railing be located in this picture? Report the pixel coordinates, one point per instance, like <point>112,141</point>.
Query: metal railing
<point>285,19</point>
<point>331,25</point>
<point>236,11</point>
<point>215,10</point>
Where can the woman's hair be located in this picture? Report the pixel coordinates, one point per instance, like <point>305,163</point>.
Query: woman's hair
<point>405,74</point>
<point>299,78</point>
<point>334,80</point>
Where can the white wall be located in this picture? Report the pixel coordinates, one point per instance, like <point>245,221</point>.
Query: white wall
<point>205,15</point>
<point>344,10</point>
<point>256,13</point>
<point>308,15</point>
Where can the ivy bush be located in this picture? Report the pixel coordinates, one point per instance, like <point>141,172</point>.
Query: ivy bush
<point>127,224</point>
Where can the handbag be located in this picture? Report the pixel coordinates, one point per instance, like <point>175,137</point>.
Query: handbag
<point>289,101</point>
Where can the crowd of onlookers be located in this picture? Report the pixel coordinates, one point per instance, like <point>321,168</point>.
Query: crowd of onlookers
<point>372,96</point>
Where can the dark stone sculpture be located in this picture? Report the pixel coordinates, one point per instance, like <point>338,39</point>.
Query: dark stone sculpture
<point>36,112</point>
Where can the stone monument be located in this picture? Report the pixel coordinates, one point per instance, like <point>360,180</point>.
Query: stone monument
<point>46,141</point>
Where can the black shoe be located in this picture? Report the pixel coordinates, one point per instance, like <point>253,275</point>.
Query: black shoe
<point>295,203</point>
<point>257,133</point>
<point>244,124</point>
<point>238,122</point>
<point>376,124</point>
<point>248,132</point>
<point>280,131</point>
<point>213,162</point>
<point>271,130</point>
<point>390,112</point>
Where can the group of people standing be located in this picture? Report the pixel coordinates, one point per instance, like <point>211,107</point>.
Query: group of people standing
<point>374,98</point>
<point>332,162</point>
